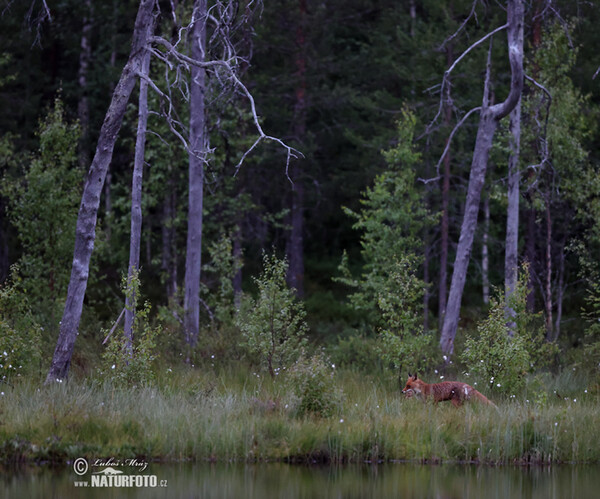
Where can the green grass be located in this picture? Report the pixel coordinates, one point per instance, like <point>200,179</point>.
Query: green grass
<point>234,415</point>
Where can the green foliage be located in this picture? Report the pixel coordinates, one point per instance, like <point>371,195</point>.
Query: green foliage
<point>135,365</point>
<point>392,221</point>
<point>357,351</point>
<point>273,325</point>
<point>223,265</point>
<point>403,342</point>
<point>20,335</point>
<point>502,360</point>
<point>591,353</point>
<point>530,326</point>
<point>42,207</point>
<point>312,380</point>
<point>494,357</point>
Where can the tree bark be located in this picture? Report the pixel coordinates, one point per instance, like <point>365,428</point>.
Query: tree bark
<point>198,145</point>
<point>295,244</point>
<point>511,255</point>
<point>485,259</point>
<point>169,252</point>
<point>445,222</point>
<point>548,284</point>
<point>237,256</point>
<point>560,291</point>
<point>488,121</point>
<point>85,231</point>
<point>426,293</point>
<point>83,107</point>
<point>136,204</point>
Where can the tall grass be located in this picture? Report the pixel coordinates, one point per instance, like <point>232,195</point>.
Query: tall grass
<point>236,415</point>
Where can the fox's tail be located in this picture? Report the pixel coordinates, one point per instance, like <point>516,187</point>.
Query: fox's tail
<point>483,398</point>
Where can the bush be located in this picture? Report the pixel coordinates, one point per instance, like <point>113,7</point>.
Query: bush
<point>496,358</point>
<point>273,325</point>
<point>357,351</point>
<point>312,381</point>
<point>20,335</point>
<point>133,364</point>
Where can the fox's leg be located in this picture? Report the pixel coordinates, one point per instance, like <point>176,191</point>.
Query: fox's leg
<point>456,401</point>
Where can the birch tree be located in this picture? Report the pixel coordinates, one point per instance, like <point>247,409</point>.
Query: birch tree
<point>224,69</point>
<point>489,116</point>
<point>136,202</point>
<point>85,231</point>
<point>197,156</point>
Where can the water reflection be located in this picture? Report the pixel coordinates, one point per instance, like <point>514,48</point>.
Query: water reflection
<point>296,482</point>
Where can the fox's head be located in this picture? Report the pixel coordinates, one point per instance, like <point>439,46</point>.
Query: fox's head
<point>413,385</point>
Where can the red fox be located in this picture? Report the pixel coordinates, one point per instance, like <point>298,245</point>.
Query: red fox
<point>454,391</point>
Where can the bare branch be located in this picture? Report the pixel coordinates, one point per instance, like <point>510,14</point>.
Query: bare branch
<point>451,136</point>
<point>112,330</point>
<point>460,28</point>
<point>454,64</point>
<point>228,65</point>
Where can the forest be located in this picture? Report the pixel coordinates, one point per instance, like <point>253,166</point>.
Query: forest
<point>298,202</point>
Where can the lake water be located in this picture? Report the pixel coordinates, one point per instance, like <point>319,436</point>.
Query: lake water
<point>266,481</point>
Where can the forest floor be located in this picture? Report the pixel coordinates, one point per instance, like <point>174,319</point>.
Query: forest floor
<point>233,414</point>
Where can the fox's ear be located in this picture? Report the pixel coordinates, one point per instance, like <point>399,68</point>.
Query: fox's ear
<point>414,377</point>
<point>409,375</point>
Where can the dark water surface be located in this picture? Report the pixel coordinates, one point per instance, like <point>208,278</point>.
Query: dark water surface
<point>267,481</point>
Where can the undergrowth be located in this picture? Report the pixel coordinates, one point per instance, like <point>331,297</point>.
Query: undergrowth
<point>233,414</point>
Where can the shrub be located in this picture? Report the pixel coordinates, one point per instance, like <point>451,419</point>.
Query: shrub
<point>273,325</point>
<point>20,335</point>
<point>312,381</point>
<point>496,358</point>
<point>133,365</point>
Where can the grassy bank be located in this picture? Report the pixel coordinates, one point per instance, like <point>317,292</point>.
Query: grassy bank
<point>237,415</point>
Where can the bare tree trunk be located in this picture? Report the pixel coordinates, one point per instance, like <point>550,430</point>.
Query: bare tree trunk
<point>511,255</point>
<point>426,294</point>
<point>485,259</point>
<point>169,253</point>
<point>108,179</point>
<point>237,256</point>
<point>90,201</point>
<point>560,291</point>
<point>295,245</point>
<point>4,260</point>
<point>489,117</point>
<point>445,222</point>
<point>548,286</point>
<point>197,156</point>
<point>530,255</point>
<point>136,204</point>
<point>83,107</point>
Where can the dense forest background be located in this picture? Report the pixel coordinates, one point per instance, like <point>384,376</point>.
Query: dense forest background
<point>366,220</point>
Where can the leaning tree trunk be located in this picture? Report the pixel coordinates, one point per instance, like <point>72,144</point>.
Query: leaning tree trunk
<point>197,156</point>
<point>85,231</point>
<point>488,121</point>
<point>136,205</point>
<point>511,254</point>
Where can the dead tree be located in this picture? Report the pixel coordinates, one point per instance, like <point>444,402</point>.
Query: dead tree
<point>136,204</point>
<point>489,116</point>
<point>511,250</point>
<point>224,70</point>
<point>85,232</point>
<point>197,156</point>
